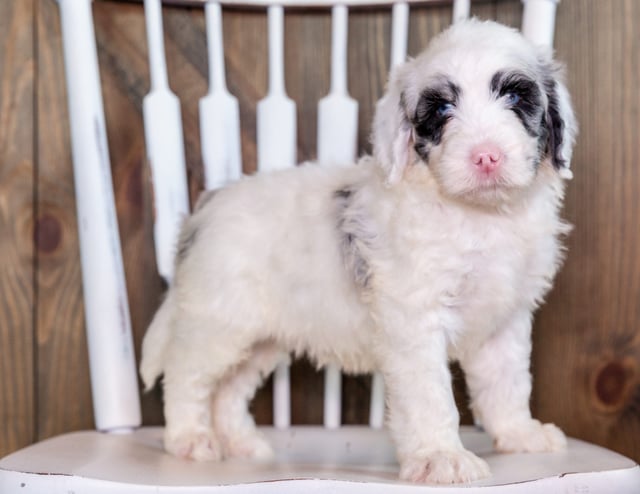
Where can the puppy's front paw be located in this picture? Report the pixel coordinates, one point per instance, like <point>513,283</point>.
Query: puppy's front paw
<point>193,444</point>
<point>252,446</point>
<point>444,467</point>
<point>530,437</point>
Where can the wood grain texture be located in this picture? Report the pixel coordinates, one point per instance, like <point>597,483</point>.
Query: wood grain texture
<point>587,339</point>
<point>64,396</point>
<point>17,403</point>
<point>586,361</point>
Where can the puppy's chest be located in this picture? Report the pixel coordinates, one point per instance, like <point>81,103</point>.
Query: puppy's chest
<point>479,270</point>
<point>488,277</point>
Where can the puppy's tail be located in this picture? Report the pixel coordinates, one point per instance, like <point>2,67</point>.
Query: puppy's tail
<point>155,343</point>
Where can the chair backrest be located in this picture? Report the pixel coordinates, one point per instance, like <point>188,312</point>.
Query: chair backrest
<point>112,360</point>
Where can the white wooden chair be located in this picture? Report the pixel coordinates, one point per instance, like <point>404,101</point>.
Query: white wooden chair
<point>122,457</point>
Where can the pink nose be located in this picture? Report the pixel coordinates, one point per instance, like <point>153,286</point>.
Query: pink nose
<point>487,157</point>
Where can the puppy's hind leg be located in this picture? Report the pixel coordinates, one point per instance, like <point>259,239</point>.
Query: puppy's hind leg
<point>232,421</point>
<point>197,360</point>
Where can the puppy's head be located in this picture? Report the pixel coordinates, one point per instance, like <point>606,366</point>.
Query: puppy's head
<point>482,109</point>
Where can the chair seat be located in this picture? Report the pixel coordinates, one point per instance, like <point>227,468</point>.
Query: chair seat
<point>308,459</point>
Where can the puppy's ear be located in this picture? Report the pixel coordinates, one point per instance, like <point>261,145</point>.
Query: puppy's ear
<point>561,123</point>
<point>392,137</point>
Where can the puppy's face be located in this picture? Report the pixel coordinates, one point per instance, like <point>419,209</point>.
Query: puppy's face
<point>482,109</point>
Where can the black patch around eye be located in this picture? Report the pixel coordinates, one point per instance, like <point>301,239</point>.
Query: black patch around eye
<point>554,125</point>
<point>428,119</point>
<point>528,107</point>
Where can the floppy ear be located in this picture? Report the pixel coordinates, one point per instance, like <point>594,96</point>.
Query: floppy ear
<point>392,137</point>
<point>561,123</point>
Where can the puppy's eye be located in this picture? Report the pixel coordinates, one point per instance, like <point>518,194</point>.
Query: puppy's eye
<point>445,109</point>
<point>512,99</point>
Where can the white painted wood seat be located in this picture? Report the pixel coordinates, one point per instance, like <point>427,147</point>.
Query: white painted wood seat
<point>122,457</point>
<point>354,459</point>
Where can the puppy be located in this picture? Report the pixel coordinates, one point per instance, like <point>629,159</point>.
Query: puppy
<point>437,248</point>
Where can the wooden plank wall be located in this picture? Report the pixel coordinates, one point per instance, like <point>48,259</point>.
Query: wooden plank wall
<point>17,359</point>
<point>587,346</point>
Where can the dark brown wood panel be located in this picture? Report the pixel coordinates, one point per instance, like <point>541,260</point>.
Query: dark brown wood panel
<point>64,396</point>
<point>17,404</point>
<point>587,338</point>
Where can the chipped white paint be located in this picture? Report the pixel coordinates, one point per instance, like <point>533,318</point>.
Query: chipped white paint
<point>165,148</point>
<point>111,356</point>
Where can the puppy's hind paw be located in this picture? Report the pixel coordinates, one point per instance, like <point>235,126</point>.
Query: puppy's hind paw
<point>444,467</point>
<point>199,445</point>
<point>530,437</point>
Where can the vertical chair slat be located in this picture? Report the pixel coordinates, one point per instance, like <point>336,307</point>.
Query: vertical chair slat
<point>338,112</point>
<point>219,112</point>
<point>165,147</point>
<point>111,356</point>
<point>276,114</point>
<point>376,411</point>
<point>157,62</point>
<point>399,37</point>
<point>461,10</point>
<point>538,21</point>
<point>275,19</point>
<point>339,38</point>
<point>215,45</point>
<point>276,120</point>
<point>337,144</point>
<point>332,413</point>
<point>282,396</point>
<point>399,32</point>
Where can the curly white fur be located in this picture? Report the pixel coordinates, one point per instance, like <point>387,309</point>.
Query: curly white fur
<point>401,263</point>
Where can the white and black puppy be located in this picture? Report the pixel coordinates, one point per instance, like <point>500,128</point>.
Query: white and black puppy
<point>437,248</point>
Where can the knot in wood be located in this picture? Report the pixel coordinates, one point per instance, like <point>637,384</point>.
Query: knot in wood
<point>48,233</point>
<point>613,384</point>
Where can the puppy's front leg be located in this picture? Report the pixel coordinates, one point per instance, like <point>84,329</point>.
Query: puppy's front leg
<point>422,413</point>
<point>499,383</point>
